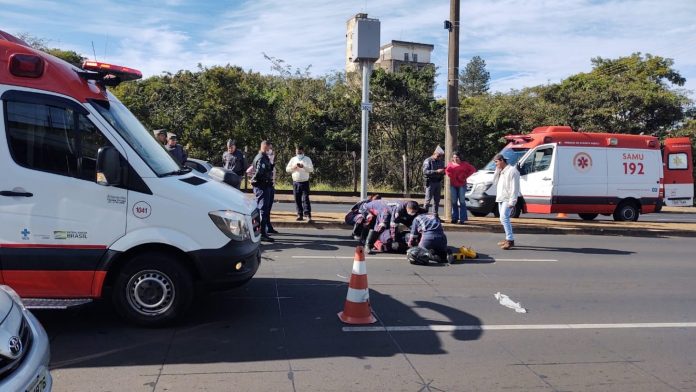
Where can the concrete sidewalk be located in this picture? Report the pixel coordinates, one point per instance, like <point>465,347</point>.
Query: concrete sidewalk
<point>553,225</point>
<point>324,199</point>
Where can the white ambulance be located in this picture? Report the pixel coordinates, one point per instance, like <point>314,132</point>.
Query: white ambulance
<point>589,174</point>
<point>92,206</point>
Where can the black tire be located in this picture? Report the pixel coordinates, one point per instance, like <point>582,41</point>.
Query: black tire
<point>478,214</point>
<point>587,216</point>
<point>658,205</point>
<point>626,211</point>
<point>153,289</point>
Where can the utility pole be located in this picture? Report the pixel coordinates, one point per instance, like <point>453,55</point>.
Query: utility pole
<point>452,96</point>
<point>366,108</point>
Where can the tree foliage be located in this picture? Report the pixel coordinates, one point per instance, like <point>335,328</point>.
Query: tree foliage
<point>474,79</point>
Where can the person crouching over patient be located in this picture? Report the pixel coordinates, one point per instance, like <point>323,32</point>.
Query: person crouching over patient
<point>427,233</point>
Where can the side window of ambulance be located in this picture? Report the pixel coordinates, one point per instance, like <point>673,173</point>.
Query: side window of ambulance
<point>53,139</point>
<point>541,160</point>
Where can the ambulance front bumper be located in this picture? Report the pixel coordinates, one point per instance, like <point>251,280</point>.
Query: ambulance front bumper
<point>227,267</point>
<point>480,202</point>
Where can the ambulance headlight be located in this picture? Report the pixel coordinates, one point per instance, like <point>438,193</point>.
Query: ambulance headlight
<point>481,187</point>
<point>232,224</point>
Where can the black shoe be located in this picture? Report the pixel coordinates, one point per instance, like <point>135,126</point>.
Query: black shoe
<point>309,219</point>
<point>453,221</point>
<point>266,238</point>
<point>299,218</point>
<point>272,231</point>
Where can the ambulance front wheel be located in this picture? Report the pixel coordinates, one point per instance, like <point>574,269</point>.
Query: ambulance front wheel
<point>153,289</point>
<point>626,211</point>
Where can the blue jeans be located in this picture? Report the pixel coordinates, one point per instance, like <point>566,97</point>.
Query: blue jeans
<point>505,212</point>
<point>458,203</point>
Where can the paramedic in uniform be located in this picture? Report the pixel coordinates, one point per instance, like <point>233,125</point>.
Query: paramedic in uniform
<point>507,181</point>
<point>434,172</point>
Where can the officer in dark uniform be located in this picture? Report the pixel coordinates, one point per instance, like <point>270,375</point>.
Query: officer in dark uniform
<point>233,159</point>
<point>262,183</point>
<point>432,235</point>
<point>434,173</point>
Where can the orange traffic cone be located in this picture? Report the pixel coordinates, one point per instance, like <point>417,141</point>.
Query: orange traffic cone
<point>562,215</point>
<point>357,307</point>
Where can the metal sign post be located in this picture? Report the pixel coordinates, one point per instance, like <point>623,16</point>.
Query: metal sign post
<point>366,108</point>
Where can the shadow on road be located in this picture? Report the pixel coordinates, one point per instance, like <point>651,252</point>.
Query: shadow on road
<point>287,239</point>
<point>266,320</point>
<point>586,251</point>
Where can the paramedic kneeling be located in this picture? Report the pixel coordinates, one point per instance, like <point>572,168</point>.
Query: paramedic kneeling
<point>429,228</point>
<point>507,180</point>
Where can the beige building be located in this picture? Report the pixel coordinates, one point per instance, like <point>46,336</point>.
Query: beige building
<point>399,53</point>
<point>392,55</point>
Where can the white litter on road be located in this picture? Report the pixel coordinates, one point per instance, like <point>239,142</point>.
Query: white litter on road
<point>507,302</point>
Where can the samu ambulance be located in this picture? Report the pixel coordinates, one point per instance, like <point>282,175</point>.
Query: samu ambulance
<point>589,174</point>
<point>92,206</point>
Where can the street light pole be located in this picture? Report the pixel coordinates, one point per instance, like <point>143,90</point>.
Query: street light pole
<point>452,126</point>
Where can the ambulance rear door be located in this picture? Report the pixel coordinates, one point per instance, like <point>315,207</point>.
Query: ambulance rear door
<point>678,172</point>
<point>57,221</point>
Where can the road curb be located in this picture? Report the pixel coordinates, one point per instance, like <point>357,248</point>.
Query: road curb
<point>519,229</point>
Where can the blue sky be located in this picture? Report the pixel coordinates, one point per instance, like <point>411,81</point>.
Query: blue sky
<point>524,42</point>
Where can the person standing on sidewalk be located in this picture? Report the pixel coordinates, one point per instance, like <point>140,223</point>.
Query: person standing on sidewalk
<point>507,181</point>
<point>434,172</point>
<point>176,150</point>
<point>271,157</point>
<point>262,184</point>
<point>300,166</point>
<point>233,159</point>
<point>458,171</point>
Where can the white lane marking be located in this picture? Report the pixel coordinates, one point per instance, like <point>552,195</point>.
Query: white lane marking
<point>404,258</point>
<point>513,327</point>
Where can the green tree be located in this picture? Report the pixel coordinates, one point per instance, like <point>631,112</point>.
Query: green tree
<point>41,44</point>
<point>474,79</point>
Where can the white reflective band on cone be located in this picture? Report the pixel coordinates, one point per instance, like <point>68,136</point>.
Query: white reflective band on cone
<point>359,268</point>
<point>358,296</point>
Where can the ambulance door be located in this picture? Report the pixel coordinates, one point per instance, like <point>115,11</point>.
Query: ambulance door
<point>678,172</point>
<point>537,179</point>
<point>57,222</point>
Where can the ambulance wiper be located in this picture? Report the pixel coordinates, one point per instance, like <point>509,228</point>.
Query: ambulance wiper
<point>179,172</point>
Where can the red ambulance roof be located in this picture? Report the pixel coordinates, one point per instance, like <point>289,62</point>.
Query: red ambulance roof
<point>58,76</point>
<point>565,136</point>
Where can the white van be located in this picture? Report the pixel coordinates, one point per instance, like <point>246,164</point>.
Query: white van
<point>92,206</point>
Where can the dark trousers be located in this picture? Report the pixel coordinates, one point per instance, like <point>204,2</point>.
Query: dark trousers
<point>263,203</point>
<point>301,192</point>
<point>271,201</point>
<point>433,190</point>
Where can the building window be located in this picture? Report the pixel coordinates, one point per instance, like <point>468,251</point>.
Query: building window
<point>405,56</point>
<point>415,58</point>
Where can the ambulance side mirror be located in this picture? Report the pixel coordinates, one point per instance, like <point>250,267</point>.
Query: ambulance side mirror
<point>109,167</point>
<point>522,168</point>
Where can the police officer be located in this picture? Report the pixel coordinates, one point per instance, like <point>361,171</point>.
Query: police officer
<point>434,172</point>
<point>377,212</point>
<point>262,184</point>
<point>161,136</point>
<point>233,159</point>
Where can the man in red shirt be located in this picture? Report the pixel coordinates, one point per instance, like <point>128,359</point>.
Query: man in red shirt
<point>458,171</point>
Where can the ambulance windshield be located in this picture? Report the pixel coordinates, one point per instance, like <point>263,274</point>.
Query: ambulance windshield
<point>511,154</point>
<point>135,134</point>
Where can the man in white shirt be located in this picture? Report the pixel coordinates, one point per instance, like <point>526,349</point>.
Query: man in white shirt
<point>300,166</point>
<point>507,180</point>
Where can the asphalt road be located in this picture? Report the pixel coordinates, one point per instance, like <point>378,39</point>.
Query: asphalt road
<point>659,217</point>
<point>597,308</point>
